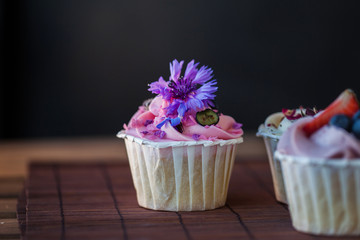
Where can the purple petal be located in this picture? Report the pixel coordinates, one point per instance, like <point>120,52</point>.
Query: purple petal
<point>160,134</point>
<point>208,103</point>
<point>196,137</point>
<point>181,109</point>
<point>162,123</point>
<point>160,87</point>
<point>203,75</point>
<point>191,70</point>
<point>175,69</point>
<point>175,121</point>
<point>148,122</point>
<point>194,104</point>
<point>173,107</point>
<point>237,125</point>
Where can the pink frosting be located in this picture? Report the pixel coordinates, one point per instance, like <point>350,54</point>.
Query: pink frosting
<point>143,124</point>
<point>327,142</point>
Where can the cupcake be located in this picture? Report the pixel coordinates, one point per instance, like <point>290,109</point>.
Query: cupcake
<point>181,149</point>
<point>320,159</point>
<point>271,131</point>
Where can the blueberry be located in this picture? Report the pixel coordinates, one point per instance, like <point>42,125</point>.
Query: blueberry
<point>356,128</point>
<point>341,121</point>
<point>356,116</point>
<point>207,117</point>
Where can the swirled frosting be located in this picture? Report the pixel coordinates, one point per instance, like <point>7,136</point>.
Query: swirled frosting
<point>144,122</point>
<point>327,142</point>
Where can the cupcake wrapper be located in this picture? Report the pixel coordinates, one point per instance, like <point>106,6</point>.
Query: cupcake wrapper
<point>275,165</point>
<point>183,177</point>
<point>323,195</point>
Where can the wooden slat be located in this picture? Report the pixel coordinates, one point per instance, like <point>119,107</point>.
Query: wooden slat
<point>9,228</point>
<point>11,187</point>
<point>16,154</point>
<point>8,207</point>
<point>98,201</point>
<point>21,211</point>
<point>259,211</point>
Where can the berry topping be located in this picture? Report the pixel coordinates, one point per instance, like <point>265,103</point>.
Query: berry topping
<point>293,114</point>
<point>346,104</point>
<point>356,116</point>
<point>341,121</point>
<point>356,129</point>
<point>207,117</point>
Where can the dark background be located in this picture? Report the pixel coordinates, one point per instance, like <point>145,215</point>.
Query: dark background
<point>81,68</point>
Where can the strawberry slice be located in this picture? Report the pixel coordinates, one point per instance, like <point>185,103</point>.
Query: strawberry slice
<point>346,103</point>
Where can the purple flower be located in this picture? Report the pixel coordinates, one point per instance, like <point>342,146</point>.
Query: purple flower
<point>145,132</point>
<point>193,91</point>
<point>237,125</point>
<point>196,137</point>
<point>173,122</point>
<point>160,87</point>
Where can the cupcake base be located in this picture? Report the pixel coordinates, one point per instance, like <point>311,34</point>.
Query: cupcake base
<point>181,176</point>
<point>323,194</point>
<point>276,171</point>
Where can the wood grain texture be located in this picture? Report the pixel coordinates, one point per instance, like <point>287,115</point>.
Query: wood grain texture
<point>8,207</point>
<point>10,187</point>
<point>9,228</point>
<point>98,201</point>
<point>16,154</point>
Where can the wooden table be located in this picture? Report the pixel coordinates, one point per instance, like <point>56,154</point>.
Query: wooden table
<point>15,156</point>
<point>253,216</point>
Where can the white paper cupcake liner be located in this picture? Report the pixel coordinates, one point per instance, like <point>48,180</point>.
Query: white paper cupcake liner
<point>271,142</point>
<point>323,194</point>
<point>180,175</point>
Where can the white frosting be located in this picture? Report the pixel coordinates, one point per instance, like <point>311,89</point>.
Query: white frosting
<point>275,125</point>
<point>166,144</point>
<point>334,162</point>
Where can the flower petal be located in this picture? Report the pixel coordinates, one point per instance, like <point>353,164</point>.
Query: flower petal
<point>181,109</point>
<point>159,87</point>
<point>194,104</point>
<point>196,136</point>
<point>203,75</point>
<point>175,121</point>
<point>191,70</point>
<point>173,107</point>
<point>162,123</point>
<point>175,69</point>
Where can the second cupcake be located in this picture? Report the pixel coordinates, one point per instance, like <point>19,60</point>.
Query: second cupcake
<point>320,160</point>
<point>271,131</point>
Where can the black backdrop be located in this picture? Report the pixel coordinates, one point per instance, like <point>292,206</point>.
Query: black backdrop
<point>80,68</point>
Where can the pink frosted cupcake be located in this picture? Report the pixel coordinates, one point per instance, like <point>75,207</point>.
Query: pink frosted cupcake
<point>181,149</point>
<point>271,131</point>
<point>320,158</point>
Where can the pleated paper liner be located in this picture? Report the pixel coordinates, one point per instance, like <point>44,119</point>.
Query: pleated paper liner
<point>271,142</point>
<point>323,194</point>
<point>181,175</point>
